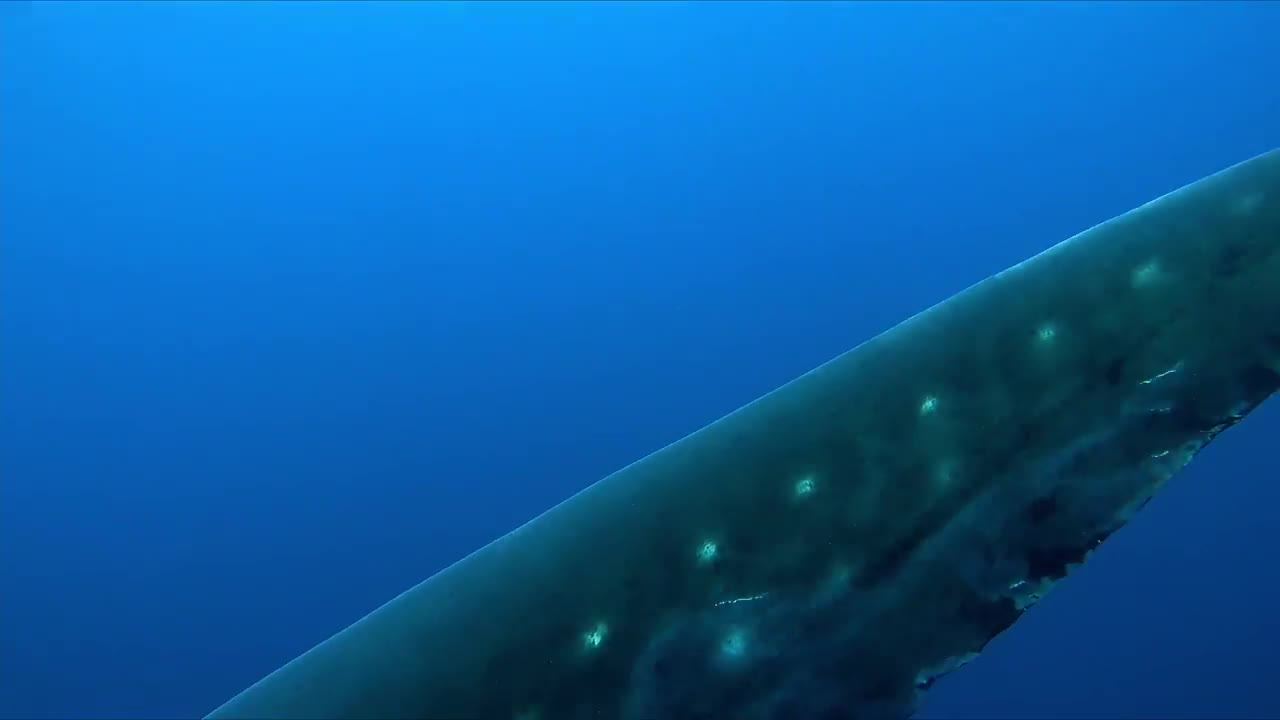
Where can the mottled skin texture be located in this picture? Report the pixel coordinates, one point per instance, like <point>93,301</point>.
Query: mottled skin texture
<point>830,549</point>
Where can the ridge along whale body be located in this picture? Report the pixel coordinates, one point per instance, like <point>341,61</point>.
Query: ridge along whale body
<point>831,548</point>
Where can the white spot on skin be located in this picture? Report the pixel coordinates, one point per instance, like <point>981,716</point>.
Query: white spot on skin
<point>1046,333</point>
<point>1146,274</point>
<point>707,552</point>
<point>805,486</point>
<point>839,577</point>
<point>595,637</point>
<point>945,472</point>
<point>1246,205</point>
<point>734,644</point>
<point>929,405</point>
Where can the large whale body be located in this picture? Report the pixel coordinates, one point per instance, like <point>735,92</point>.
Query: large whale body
<point>831,548</point>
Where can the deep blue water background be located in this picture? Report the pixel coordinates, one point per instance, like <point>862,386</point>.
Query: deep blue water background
<point>303,302</point>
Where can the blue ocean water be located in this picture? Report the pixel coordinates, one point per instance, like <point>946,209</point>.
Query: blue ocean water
<point>302,302</point>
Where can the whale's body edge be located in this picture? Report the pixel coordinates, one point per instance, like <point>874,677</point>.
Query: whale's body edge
<point>831,548</point>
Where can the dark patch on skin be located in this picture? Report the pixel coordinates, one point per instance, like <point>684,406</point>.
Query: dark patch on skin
<point>747,544</point>
<point>989,556</point>
<point>661,668</point>
<point>1231,259</point>
<point>876,573</point>
<point>895,555</point>
<point>1273,341</point>
<point>839,711</point>
<point>1052,563</point>
<point>883,688</point>
<point>991,617</point>
<point>1115,371</point>
<point>1025,435</point>
<point>892,559</point>
<point>1186,417</point>
<point>1041,509</point>
<point>1030,433</point>
<point>633,584</point>
<point>1260,378</point>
